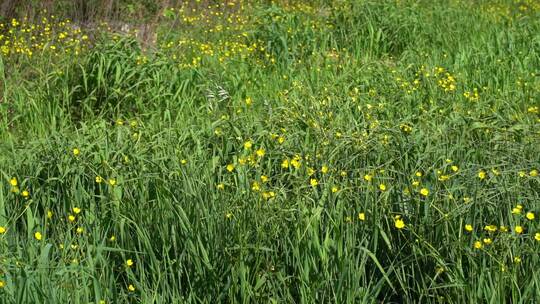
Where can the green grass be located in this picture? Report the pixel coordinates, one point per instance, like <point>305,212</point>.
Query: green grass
<point>374,91</point>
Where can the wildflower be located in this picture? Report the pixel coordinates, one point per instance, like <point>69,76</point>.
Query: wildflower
<point>324,169</point>
<point>335,189</point>
<point>517,260</point>
<point>38,236</point>
<point>503,229</point>
<point>368,177</point>
<point>469,227</point>
<point>424,191</point>
<point>487,241</point>
<point>362,216</point>
<point>530,216</point>
<point>2,229</point>
<point>248,144</point>
<point>131,288</point>
<point>478,245</point>
<point>230,167</point>
<point>13,182</point>
<point>220,186</point>
<point>281,139</point>
<point>183,161</point>
<point>285,164</point>
<point>415,183</point>
<point>533,173</point>
<point>49,214</point>
<point>76,210</point>
<point>112,181</point>
<point>310,171</point>
<point>228,215</point>
<point>112,238</point>
<point>129,262</point>
<point>2,284</point>
<point>490,228</point>
<point>76,151</point>
<point>25,193</point>
<point>522,174</point>
<point>399,223</point>
<point>382,187</point>
<point>295,162</point>
<point>313,182</point>
<point>260,152</point>
<point>99,179</point>
<point>454,168</point>
<point>255,186</point>
<point>482,174</point>
<point>71,218</point>
<point>418,174</point>
<point>80,230</point>
<point>264,178</point>
<point>518,229</point>
<point>249,101</point>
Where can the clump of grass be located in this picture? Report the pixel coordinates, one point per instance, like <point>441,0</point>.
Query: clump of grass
<point>311,153</point>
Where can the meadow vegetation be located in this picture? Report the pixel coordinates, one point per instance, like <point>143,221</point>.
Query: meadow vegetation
<point>374,151</point>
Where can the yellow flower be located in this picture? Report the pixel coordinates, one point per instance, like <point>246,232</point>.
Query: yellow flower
<point>230,167</point>
<point>228,215</point>
<point>49,214</point>
<point>220,186</point>
<point>310,171</point>
<point>530,216</point>
<point>255,186</point>
<point>2,229</point>
<point>261,152</point>
<point>490,228</point>
<point>112,238</point>
<point>482,174</point>
<point>2,284</point>
<point>264,178</point>
<point>368,177</point>
<point>281,139</point>
<point>469,227</point>
<point>71,218</point>
<point>249,101</point>
<point>518,229</point>
<point>424,191</point>
<point>503,229</point>
<point>80,230</point>
<point>415,183</point>
<point>478,245</point>
<point>129,262</point>
<point>295,162</point>
<point>313,182</point>
<point>418,174</point>
<point>454,168</point>
<point>131,288</point>
<point>522,174</point>
<point>183,161</point>
<point>248,144</point>
<point>112,181</point>
<point>13,182</point>
<point>324,169</point>
<point>76,210</point>
<point>382,187</point>
<point>487,241</point>
<point>76,151</point>
<point>399,224</point>
<point>38,236</point>
<point>362,216</point>
<point>537,236</point>
<point>285,164</point>
<point>335,189</point>
<point>99,179</point>
<point>533,173</point>
<point>25,193</point>
<point>517,260</point>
